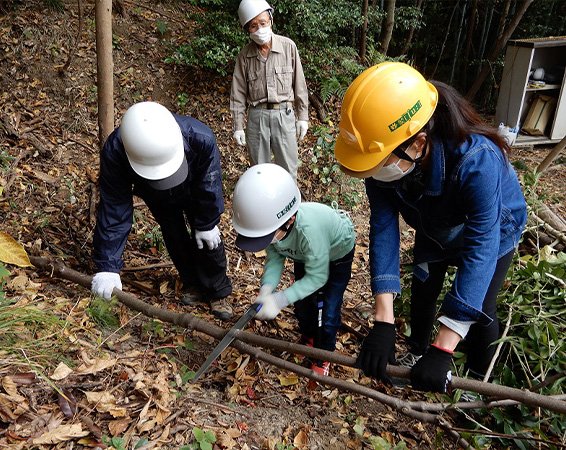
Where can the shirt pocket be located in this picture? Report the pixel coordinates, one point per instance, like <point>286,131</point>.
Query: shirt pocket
<point>284,79</point>
<point>256,85</point>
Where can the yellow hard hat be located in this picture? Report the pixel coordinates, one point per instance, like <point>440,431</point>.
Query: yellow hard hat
<point>383,107</point>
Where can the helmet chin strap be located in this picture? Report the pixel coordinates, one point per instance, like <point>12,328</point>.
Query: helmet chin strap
<point>400,152</point>
<point>413,183</point>
<point>287,226</point>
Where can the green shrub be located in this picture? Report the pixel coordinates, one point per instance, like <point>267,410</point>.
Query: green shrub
<point>326,33</point>
<point>217,43</point>
<point>332,187</point>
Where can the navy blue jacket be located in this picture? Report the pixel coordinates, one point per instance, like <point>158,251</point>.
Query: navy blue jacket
<point>472,210</point>
<point>118,182</point>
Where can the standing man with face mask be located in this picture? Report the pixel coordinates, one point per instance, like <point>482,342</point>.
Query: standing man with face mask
<point>268,84</point>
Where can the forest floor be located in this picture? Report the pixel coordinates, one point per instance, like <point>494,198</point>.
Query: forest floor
<point>131,382</point>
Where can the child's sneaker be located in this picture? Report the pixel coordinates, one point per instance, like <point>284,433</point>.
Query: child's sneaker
<point>306,340</point>
<point>322,368</point>
<point>301,359</point>
<point>408,360</point>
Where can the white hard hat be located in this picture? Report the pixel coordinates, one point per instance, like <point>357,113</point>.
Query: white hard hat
<point>249,9</point>
<point>154,144</point>
<point>265,197</point>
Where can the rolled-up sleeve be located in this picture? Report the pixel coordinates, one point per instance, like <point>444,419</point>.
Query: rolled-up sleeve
<point>384,239</point>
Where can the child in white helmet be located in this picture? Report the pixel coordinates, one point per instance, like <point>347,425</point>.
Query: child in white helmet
<point>268,214</point>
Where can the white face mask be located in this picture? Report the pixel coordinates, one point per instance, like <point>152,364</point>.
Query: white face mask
<point>261,36</point>
<point>392,172</point>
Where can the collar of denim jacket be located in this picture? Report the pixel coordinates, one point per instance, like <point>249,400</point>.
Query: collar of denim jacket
<point>436,170</point>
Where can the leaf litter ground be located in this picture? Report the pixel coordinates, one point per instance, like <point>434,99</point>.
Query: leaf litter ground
<point>131,381</point>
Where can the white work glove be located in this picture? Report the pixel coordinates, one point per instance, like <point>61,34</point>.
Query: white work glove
<point>104,282</point>
<point>302,127</point>
<point>272,304</point>
<point>240,137</point>
<point>211,237</point>
<point>264,290</point>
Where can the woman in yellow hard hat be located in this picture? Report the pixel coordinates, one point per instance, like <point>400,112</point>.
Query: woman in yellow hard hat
<point>427,156</point>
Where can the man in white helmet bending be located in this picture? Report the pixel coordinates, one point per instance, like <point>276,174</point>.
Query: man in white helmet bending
<point>172,162</point>
<point>269,84</point>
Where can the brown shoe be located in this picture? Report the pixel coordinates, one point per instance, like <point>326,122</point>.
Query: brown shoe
<point>191,297</point>
<point>221,309</point>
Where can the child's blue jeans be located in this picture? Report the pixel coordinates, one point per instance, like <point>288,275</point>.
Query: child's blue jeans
<point>329,298</point>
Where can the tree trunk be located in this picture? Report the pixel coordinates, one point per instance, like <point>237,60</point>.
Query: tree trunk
<point>363,37</point>
<point>445,39</point>
<point>105,69</point>
<point>409,39</point>
<point>469,38</point>
<point>58,269</point>
<point>458,37</point>
<point>497,47</point>
<point>502,18</point>
<point>485,32</point>
<point>387,27</point>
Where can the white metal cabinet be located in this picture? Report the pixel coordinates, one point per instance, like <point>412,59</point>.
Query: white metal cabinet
<point>515,95</point>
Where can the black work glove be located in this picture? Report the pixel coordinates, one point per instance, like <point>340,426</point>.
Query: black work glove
<point>432,371</point>
<point>377,350</point>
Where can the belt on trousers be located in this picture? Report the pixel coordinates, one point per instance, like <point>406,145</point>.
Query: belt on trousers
<point>282,105</point>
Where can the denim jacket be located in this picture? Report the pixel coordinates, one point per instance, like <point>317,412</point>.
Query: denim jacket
<point>471,212</point>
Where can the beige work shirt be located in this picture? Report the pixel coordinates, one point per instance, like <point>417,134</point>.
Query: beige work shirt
<point>275,79</point>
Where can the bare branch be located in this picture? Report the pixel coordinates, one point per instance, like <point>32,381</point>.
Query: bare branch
<point>189,321</point>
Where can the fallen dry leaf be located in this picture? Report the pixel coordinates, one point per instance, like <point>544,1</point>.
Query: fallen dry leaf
<point>61,371</point>
<point>301,440</point>
<point>67,403</point>
<point>289,379</point>
<point>96,365</point>
<point>105,402</point>
<point>12,390</point>
<point>117,427</point>
<point>25,378</point>
<point>61,434</point>
<point>226,441</point>
<point>11,252</point>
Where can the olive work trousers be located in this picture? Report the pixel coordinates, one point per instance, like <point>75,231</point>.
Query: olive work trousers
<point>273,131</point>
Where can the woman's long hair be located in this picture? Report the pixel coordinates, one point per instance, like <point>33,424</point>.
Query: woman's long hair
<point>455,119</point>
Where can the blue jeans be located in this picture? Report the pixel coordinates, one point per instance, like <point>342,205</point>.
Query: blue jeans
<point>329,297</point>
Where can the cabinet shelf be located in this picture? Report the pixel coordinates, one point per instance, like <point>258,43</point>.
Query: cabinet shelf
<point>546,87</point>
<point>524,140</point>
<point>516,97</point>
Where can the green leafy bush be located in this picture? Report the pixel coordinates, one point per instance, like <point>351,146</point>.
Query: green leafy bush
<point>537,331</point>
<point>217,43</point>
<point>326,33</point>
<point>346,192</point>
